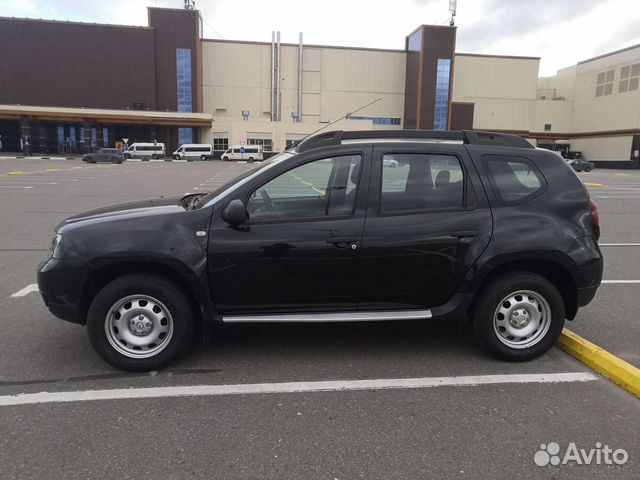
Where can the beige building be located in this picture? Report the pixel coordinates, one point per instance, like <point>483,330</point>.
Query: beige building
<point>592,107</point>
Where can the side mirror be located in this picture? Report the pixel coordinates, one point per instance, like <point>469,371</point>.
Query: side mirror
<point>235,213</point>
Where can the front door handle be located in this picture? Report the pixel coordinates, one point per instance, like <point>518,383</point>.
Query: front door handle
<point>342,242</point>
<point>465,234</point>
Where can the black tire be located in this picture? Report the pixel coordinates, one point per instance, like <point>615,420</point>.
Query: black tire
<point>151,286</point>
<point>226,159</point>
<point>154,156</point>
<point>490,300</point>
<point>587,169</point>
<point>203,157</point>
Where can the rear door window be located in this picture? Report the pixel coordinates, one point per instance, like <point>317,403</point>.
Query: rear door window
<point>414,182</point>
<point>514,180</point>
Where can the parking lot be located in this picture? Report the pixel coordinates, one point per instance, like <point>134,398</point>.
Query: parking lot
<point>472,416</point>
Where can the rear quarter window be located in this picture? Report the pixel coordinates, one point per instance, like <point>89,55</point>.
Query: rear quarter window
<point>515,180</point>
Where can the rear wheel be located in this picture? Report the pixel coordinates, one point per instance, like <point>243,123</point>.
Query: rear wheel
<point>140,323</point>
<point>203,157</point>
<point>226,159</point>
<point>518,316</point>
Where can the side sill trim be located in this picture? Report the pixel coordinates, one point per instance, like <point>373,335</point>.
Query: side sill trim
<point>332,317</point>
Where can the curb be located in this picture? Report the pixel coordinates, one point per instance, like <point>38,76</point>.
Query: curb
<point>615,369</point>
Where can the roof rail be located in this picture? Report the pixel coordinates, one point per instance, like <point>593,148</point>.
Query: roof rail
<point>336,137</point>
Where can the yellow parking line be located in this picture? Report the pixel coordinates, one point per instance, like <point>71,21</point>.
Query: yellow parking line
<point>603,362</point>
<point>595,185</point>
<point>15,173</point>
<point>622,174</point>
<point>52,170</point>
<point>77,168</point>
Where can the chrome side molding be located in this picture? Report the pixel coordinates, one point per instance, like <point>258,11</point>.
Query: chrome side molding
<point>331,317</point>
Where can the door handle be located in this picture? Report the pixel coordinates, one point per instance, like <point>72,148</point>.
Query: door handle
<point>465,234</point>
<point>342,242</point>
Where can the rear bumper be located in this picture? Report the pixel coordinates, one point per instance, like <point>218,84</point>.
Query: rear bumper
<point>60,283</point>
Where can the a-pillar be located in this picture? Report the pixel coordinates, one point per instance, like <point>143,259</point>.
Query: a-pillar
<point>25,135</point>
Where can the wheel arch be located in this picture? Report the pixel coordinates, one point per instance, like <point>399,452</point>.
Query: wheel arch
<point>188,284</point>
<point>554,271</point>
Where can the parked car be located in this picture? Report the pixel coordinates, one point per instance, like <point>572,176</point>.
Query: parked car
<point>390,162</point>
<point>112,155</point>
<point>192,151</point>
<point>482,227</point>
<point>581,165</point>
<point>145,151</point>
<point>243,152</point>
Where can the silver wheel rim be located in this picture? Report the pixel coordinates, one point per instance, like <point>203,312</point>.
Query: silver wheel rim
<point>139,326</point>
<point>522,319</point>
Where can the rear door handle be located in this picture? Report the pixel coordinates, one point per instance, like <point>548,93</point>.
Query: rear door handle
<point>342,242</point>
<point>465,234</point>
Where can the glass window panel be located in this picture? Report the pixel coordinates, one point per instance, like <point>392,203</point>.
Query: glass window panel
<point>608,88</point>
<point>624,73</point>
<point>421,182</point>
<point>600,78</point>
<point>610,76</point>
<point>635,70</point>
<point>633,83</point>
<point>624,86</point>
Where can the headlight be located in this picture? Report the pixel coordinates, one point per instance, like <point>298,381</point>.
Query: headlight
<point>55,246</point>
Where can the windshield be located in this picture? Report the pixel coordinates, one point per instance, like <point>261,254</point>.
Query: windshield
<point>223,190</point>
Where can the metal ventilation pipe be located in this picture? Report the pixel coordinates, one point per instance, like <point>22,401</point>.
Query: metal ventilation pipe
<point>273,76</point>
<point>299,118</point>
<point>278,92</point>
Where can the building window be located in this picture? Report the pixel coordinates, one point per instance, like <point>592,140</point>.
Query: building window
<point>377,120</point>
<point>60,134</point>
<point>267,143</point>
<point>220,144</point>
<point>443,73</point>
<point>604,83</point>
<point>185,135</point>
<point>629,78</point>
<point>547,127</point>
<point>183,69</point>
<point>105,136</point>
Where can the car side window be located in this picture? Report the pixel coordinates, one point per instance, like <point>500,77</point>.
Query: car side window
<point>514,179</point>
<point>421,182</point>
<point>322,188</point>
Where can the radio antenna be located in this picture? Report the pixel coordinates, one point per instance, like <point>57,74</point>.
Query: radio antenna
<point>294,144</point>
<point>452,11</point>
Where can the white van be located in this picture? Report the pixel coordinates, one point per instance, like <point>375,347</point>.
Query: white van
<point>145,150</point>
<point>192,151</point>
<point>243,152</point>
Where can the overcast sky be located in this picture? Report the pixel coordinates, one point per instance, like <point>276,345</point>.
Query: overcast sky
<point>562,32</point>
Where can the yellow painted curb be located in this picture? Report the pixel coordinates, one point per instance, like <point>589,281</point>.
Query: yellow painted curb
<point>15,173</point>
<point>595,185</point>
<point>51,169</point>
<point>603,362</point>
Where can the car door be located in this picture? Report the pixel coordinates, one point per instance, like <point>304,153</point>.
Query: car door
<point>299,250</point>
<point>428,221</point>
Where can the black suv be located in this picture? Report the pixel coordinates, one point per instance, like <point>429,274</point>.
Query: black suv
<point>112,155</point>
<point>346,226</point>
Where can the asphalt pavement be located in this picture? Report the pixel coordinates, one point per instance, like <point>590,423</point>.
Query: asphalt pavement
<point>461,430</point>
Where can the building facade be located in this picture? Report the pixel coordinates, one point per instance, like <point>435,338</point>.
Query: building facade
<point>92,85</point>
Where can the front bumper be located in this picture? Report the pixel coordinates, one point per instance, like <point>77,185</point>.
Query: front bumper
<point>60,283</point>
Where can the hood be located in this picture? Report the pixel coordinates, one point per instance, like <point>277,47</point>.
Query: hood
<point>144,208</point>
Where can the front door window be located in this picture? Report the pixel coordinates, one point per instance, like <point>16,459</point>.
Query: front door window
<point>319,189</point>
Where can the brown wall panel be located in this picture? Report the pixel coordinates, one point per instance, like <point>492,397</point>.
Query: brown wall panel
<point>462,116</point>
<point>76,65</point>
<point>174,29</point>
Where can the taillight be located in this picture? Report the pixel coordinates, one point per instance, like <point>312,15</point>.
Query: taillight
<point>596,219</point>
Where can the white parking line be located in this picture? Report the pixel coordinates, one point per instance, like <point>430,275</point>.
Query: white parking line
<point>620,281</point>
<point>291,387</point>
<point>17,186</point>
<point>26,290</point>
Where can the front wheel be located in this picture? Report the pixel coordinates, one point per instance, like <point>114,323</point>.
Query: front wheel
<point>519,316</point>
<point>140,323</point>
<point>226,159</point>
